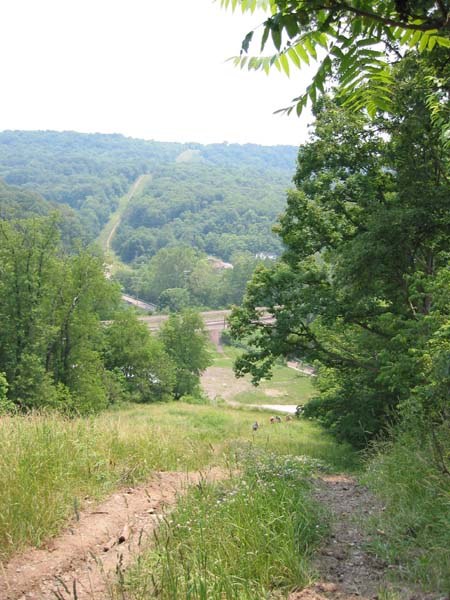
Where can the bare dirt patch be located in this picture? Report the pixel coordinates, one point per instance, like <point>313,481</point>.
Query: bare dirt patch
<point>221,382</point>
<point>83,561</point>
<point>272,393</point>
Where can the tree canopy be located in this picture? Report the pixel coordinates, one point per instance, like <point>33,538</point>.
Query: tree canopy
<point>360,285</point>
<point>354,42</point>
<point>186,342</point>
<point>214,209</point>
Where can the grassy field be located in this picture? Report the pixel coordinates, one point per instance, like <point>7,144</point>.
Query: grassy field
<point>237,539</point>
<point>48,464</point>
<point>287,386</point>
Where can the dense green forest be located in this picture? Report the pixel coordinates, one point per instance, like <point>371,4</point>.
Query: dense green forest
<point>90,172</point>
<point>67,343</point>
<point>189,213</point>
<point>57,192</point>
<point>180,276</point>
<point>218,199</point>
<point>218,210</point>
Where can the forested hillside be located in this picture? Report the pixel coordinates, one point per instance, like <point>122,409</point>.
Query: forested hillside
<point>216,210</point>
<point>90,172</point>
<point>219,199</point>
<point>19,203</point>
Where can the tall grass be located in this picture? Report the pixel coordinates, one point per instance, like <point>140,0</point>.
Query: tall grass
<point>49,464</point>
<point>413,529</point>
<point>242,539</point>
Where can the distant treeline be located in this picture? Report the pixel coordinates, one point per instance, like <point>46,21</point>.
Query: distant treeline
<point>89,172</point>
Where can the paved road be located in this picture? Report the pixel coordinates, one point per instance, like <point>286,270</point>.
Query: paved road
<point>138,303</point>
<point>215,320</point>
<point>288,409</point>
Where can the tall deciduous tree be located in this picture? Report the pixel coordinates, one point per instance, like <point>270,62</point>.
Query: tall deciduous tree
<point>367,234</point>
<point>50,307</point>
<point>186,342</point>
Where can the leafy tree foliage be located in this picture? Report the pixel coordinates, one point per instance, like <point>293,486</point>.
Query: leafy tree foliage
<point>51,303</point>
<point>178,277</point>
<point>361,284</point>
<point>185,340</point>
<point>140,358</point>
<point>354,41</point>
<point>90,172</point>
<point>174,300</point>
<point>19,203</point>
<point>218,199</point>
<point>3,392</point>
<point>216,210</point>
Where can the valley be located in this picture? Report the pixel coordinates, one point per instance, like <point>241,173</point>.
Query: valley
<point>150,442</point>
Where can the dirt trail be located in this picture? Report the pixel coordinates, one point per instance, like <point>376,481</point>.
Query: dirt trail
<point>116,217</point>
<point>83,561</point>
<point>346,570</point>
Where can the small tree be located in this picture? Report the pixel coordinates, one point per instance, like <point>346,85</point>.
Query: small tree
<point>185,340</point>
<point>4,404</point>
<point>173,299</point>
<point>140,358</point>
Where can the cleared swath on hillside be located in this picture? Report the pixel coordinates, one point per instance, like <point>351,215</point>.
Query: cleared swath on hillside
<point>216,210</point>
<point>91,172</point>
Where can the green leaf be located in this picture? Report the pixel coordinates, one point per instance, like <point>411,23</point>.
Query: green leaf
<point>302,53</point>
<point>265,37</point>
<point>294,57</point>
<point>276,37</point>
<point>310,47</point>
<point>356,26</point>
<point>284,63</point>
<point>290,24</point>
<point>423,42</point>
<point>371,109</point>
<point>442,41</point>
<point>321,39</point>
<point>415,38</point>
<point>431,43</point>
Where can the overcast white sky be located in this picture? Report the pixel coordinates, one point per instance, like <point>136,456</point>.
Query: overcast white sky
<point>153,69</point>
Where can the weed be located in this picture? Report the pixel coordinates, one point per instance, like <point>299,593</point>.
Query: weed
<point>412,531</point>
<point>241,539</point>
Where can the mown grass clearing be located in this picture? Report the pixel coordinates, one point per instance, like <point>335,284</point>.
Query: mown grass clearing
<point>49,464</point>
<point>287,386</point>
